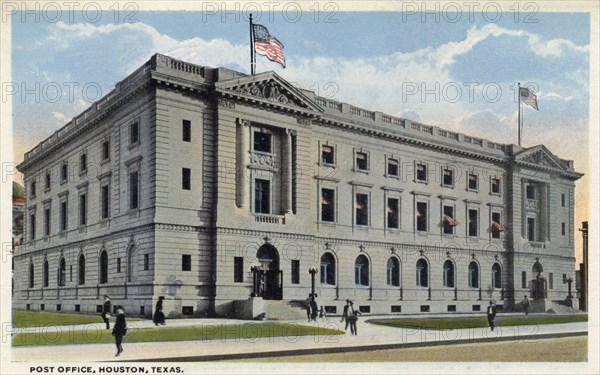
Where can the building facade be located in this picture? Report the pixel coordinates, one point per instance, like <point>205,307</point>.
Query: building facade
<point>213,188</point>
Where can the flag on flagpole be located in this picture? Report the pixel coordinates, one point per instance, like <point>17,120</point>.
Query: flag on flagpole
<point>267,45</point>
<point>528,97</point>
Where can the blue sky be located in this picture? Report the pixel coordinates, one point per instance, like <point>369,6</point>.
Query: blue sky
<point>369,59</point>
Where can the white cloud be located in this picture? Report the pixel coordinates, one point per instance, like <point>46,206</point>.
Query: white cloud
<point>556,96</point>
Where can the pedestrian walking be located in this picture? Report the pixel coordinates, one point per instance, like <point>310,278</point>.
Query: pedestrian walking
<point>353,319</point>
<point>159,316</point>
<point>106,311</point>
<point>526,305</point>
<point>345,314</point>
<point>119,330</point>
<point>308,309</point>
<point>314,309</point>
<point>491,314</point>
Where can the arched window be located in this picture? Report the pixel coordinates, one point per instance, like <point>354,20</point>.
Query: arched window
<point>422,273</point>
<point>393,272</point>
<point>449,274</point>
<point>327,269</point>
<point>81,270</point>
<point>31,275</point>
<point>497,276</point>
<point>361,271</point>
<point>103,267</point>
<point>473,275</point>
<point>46,274</point>
<point>62,272</point>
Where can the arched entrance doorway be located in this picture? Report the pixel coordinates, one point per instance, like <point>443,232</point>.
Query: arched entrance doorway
<point>268,278</point>
<point>538,284</point>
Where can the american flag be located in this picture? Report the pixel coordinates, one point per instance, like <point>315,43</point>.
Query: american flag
<point>267,45</point>
<point>528,97</point>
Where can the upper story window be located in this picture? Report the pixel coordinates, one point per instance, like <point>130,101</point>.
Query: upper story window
<point>32,226</point>
<point>262,196</point>
<point>327,155</point>
<point>530,191</point>
<point>422,216</point>
<point>562,200</point>
<point>362,161</point>
<point>362,209</point>
<point>105,202</point>
<point>393,208</point>
<point>48,181</point>
<point>83,162</point>
<point>134,133</point>
<point>106,150</point>
<point>32,190</point>
<point>495,186</point>
<point>64,172</point>
<point>497,227</point>
<point>449,220</point>
<point>472,182</point>
<point>134,190</point>
<point>328,205</point>
<point>186,130</point>
<point>262,142</point>
<point>447,177</point>
<point>473,228</point>
<point>421,172</point>
<point>186,178</point>
<point>393,167</point>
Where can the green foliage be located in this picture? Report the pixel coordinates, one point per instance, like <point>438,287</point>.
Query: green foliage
<point>479,322</point>
<point>24,319</point>
<point>18,190</point>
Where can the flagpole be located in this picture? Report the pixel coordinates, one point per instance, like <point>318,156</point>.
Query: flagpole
<point>519,100</point>
<point>251,47</point>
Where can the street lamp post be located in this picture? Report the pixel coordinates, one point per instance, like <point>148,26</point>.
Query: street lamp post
<point>312,272</point>
<point>584,277</point>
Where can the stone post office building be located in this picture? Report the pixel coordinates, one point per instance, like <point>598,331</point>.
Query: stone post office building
<point>213,188</point>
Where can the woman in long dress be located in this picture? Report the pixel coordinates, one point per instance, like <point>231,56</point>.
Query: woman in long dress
<point>119,330</point>
<point>159,316</point>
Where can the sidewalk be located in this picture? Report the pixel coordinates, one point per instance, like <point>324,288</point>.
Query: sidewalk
<point>370,336</point>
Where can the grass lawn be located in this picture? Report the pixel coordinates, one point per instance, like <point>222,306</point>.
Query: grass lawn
<point>63,335</point>
<point>25,319</point>
<point>465,323</point>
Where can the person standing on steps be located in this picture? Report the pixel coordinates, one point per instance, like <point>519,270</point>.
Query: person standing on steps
<point>119,330</point>
<point>159,316</point>
<point>491,314</point>
<point>106,311</point>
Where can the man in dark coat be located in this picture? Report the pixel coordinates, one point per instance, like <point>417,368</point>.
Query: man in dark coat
<point>491,314</point>
<point>314,309</point>
<point>345,314</point>
<point>159,316</point>
<point>119,330</point>
<point>106,311</point>
<point>308,309</point>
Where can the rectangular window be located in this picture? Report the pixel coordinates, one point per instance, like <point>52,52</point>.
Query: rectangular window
<point>47,222</point>
<point>530,191</point>
<point>531,229</point>
<point>495,188</point>
<point>134,133</point>
<point>83,163</point>
<point>362,209</point>
<point>134,190</point>
<point>327,205</point>
<point>524,280</point>
<point>48,181</point>
<point>32,226</point>
<point>63,216</point>
<point>449,221</point>
<point>496,222</point>
<point>146,262</point>
<point>262,142</point>
<point>105,150</point>
<point>473,223</point>
<point>562,200</point>
<point>473,182</point>
<point>83,209</point>
<point>105,202</point>
<point>186,178</point>
<point>262,196</point>
<point>362,161</point>
<point>238,269</point>
<point>421,216</point>
<point>448,177</point>
<point>563,228</point>
<point>186,262</point>
<point>63,172</point>
<point>295,271</point>
<point>32,192</point>
<point>118,265</point>
<point>393,207</point>
<point>186,131</point>
<point>327,154</point>
<point>550,280</point>
<point>393,167</point>
<point>421,171</point>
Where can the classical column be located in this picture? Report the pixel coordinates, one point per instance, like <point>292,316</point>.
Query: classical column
<point>243,182</point>
<point>288,171</point>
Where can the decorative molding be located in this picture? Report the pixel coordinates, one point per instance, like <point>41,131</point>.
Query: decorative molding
<point>362,184</point>
<point>226,103</point>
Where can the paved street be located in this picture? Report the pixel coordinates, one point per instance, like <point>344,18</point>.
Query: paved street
<point>369,336</point>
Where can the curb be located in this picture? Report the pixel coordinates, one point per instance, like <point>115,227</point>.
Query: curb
<point>282,353</point>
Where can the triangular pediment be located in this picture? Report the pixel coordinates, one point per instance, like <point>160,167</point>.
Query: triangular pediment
<point>270,88</point>
<point>540,155</point>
